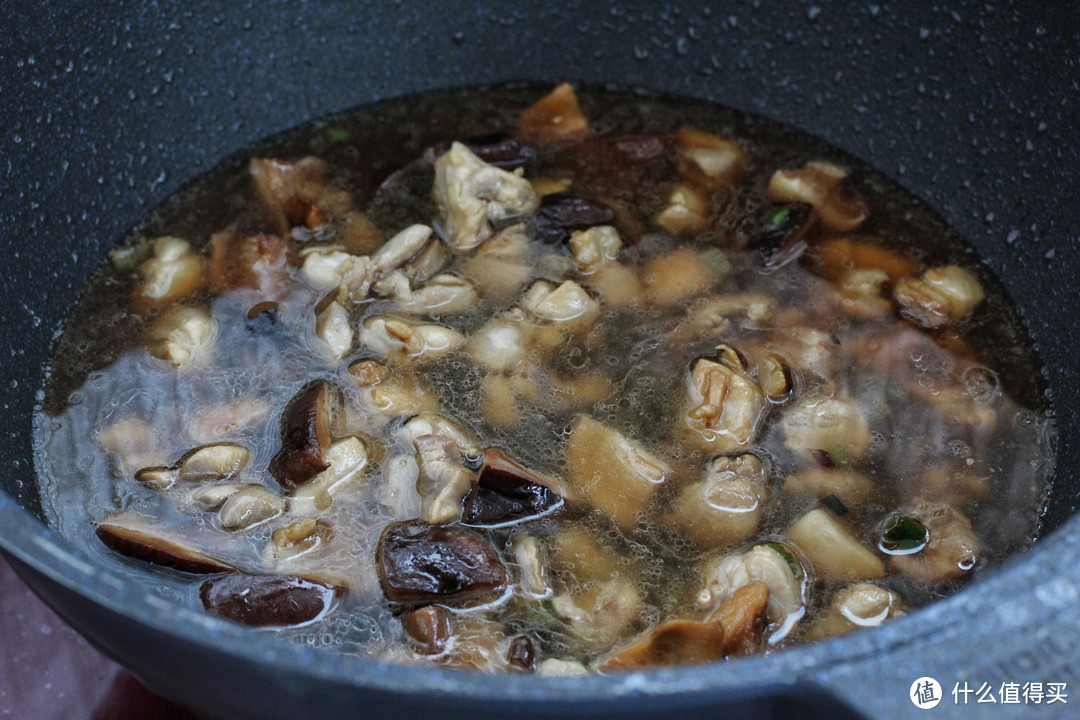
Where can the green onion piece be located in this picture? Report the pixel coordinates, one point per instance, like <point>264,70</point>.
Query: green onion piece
<point>337,134</point>
<point>789,557</point>
<point>775,216</point>
<point>903,535</point>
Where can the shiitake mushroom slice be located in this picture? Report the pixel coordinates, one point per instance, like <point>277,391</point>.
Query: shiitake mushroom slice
<point>267,600</point>
<point>425,563</point>
<point>506,492</point>
<point>305,435</point>
<point>135,537</point>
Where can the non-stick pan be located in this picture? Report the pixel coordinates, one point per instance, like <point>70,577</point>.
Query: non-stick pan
<point>107,108</point>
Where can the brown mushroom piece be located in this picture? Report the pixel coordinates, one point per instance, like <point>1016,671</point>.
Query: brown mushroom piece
<point>137,537</point>
<point>418,562</point>
<point>735,627</point>
<point>562,214</point>
<point>522,653</point>
<point>428,628</point>
<point>305,436</point>
<point>556,116</point>
<point>267,600</point>
<point>498,149</point>
<point>507,492</point>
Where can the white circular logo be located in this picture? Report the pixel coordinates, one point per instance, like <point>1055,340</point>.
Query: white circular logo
<point>925,693</point>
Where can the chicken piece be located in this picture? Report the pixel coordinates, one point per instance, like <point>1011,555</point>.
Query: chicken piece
<point>133,444</point>
<point>835,425</point>
<point>850,486</point>
<point>298,193</point>
<point>617,285</point>
<point>773,564</point>
<point>398,249</point>
<point>501,266</point>
<point>499,400</point>
<point>532,567</point>
<point>498,345</point>
<point>347,276</point>
<point>173,272</point>
<point>709,160</point>
<point>594,248</point>
<point>257,262</point>
<point>405,343</point>
<point>332,327</point>
<point>309,535</point>
<point>250,505</point>
<point>386,394</point>
<point>675,277</point>
<point>713,316</point>
<point>218,421</point>
<point>443,480</point>
<point>429,262</point>
<point>398,492</point>
<point>347,457</point>
<point>857,606</point>
<point>725,406</point>
<point>577,552</point>
<point>476,198</point>
<point>861,294</point>
<point>182,336</point>
<point>725,508</point>
<point>952,551</point>
<point>686,213</point>
<point>567,306</point>
<point>942,296</point>
<point>836,256</point>
<point>579,391</point>
<point>613,473</point>
<point>443,294</point>
<point>559,667</point>
<point>601,612</point>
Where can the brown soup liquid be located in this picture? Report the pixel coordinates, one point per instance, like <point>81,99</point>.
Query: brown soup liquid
<point>516,381</point>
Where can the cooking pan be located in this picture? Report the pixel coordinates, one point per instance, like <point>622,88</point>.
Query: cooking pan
<point>107,109</point>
